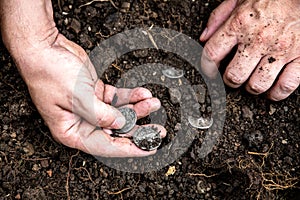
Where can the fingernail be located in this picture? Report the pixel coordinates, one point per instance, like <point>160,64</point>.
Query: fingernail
<point>202,37</point>
<point>120,122</point>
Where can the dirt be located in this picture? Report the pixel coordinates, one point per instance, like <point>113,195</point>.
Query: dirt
<point>257,156</point>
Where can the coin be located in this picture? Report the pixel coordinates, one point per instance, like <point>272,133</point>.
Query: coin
<point>200,122</point>
<point>173,73</point>
<point>131,118</point>
<point>147,138</point>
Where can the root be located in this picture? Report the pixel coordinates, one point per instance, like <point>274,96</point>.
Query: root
<point>68,175</point>
<point>89,3</point>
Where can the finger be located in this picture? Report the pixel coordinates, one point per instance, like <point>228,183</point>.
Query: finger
<point>265,74</point>
<point>123,96</point>
<point>242,65</point>
<point>99,143</point>
<point>215,50</point>
<point>288,82</point>
<point>145,107</point>
<point>217,18</point>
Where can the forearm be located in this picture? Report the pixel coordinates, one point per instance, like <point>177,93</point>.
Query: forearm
<point>27,25</point>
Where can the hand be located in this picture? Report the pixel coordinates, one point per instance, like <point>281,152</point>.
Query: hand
<point>267,35</point>
<point>71,99</point>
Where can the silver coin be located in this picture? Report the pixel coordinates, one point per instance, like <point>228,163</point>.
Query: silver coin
<point>173,73</point>
<point>131,118</point>
<point>147,138</point>
<point>200,122</point>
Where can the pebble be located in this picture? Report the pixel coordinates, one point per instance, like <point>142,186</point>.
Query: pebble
<point>284,141</point>
<point>44,163</point>
<point>125,6</point>
<point>75,25</point>
<point>175,95</point>
<point>247,113</point>
<point>36,167</point>
<point>200,93</point>
<point>13,135</point>
<point>28,149</point>
<point>272,110</point>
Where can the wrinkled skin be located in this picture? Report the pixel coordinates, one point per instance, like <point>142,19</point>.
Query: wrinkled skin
<point>64,86</point>
<point>267,33</point>
<point>73,101</point>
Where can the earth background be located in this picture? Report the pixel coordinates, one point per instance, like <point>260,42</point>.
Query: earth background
<point>257,156</point>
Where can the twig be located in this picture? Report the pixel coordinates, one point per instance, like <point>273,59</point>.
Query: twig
<point>5,158</point>
<point>119,192</point>
<point>207,176</point>
<point>264,155</point>
<point>68,175</point>
<point>117,67</point>
<point>152,39</point>
<point>59,5</point>
<point>89,3</point>
<point>89,175</point>
<point>35,159</point>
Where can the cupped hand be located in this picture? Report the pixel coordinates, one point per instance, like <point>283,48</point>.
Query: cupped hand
<point>267,35</point>
<point>75,104</point>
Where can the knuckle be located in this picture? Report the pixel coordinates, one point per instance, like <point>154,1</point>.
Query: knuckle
<point>257,88</point>
<point>210,53</point>
<point>288,86</point>
<point>235,78</point>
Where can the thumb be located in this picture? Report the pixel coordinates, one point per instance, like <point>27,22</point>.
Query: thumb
<point>217,18</point>
<point>88,106</point>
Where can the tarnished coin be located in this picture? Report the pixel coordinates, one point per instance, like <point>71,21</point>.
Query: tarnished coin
<point>130,117</point>
<point>200,122</point>
<point>147,138</point>
<point>173,73</point>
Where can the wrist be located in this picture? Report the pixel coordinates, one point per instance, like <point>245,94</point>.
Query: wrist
<point>27,25</point>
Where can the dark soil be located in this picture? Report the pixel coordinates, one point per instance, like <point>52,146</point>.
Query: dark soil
<point>257,156</point>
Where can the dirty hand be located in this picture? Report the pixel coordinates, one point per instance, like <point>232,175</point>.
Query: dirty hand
<point>64,85</point>
<point>267,35</point>
<point>73,101</point>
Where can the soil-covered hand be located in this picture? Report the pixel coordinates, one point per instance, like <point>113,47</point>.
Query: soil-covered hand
<point>267,35</point>
<point>64,85</point>
<point>72,100</point>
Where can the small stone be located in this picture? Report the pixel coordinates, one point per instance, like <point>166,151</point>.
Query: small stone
<point>5,127</point>
<point>125,6</point>
<point>272,110</point>
<point>63,169</point>
<point>66,21</point>
<point>284,141</point>
<point>200,93</point>
<point>44,163</point>
<point>247,113</point>
<point>75,25</point>
<point>18,196</point>
<point>171,171</point>
<point>28,149</point>
<point>13,135</point>
<point>175,95</point>
<point>36,167</point>
<point>49,172</point>
<point>177,127</point>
